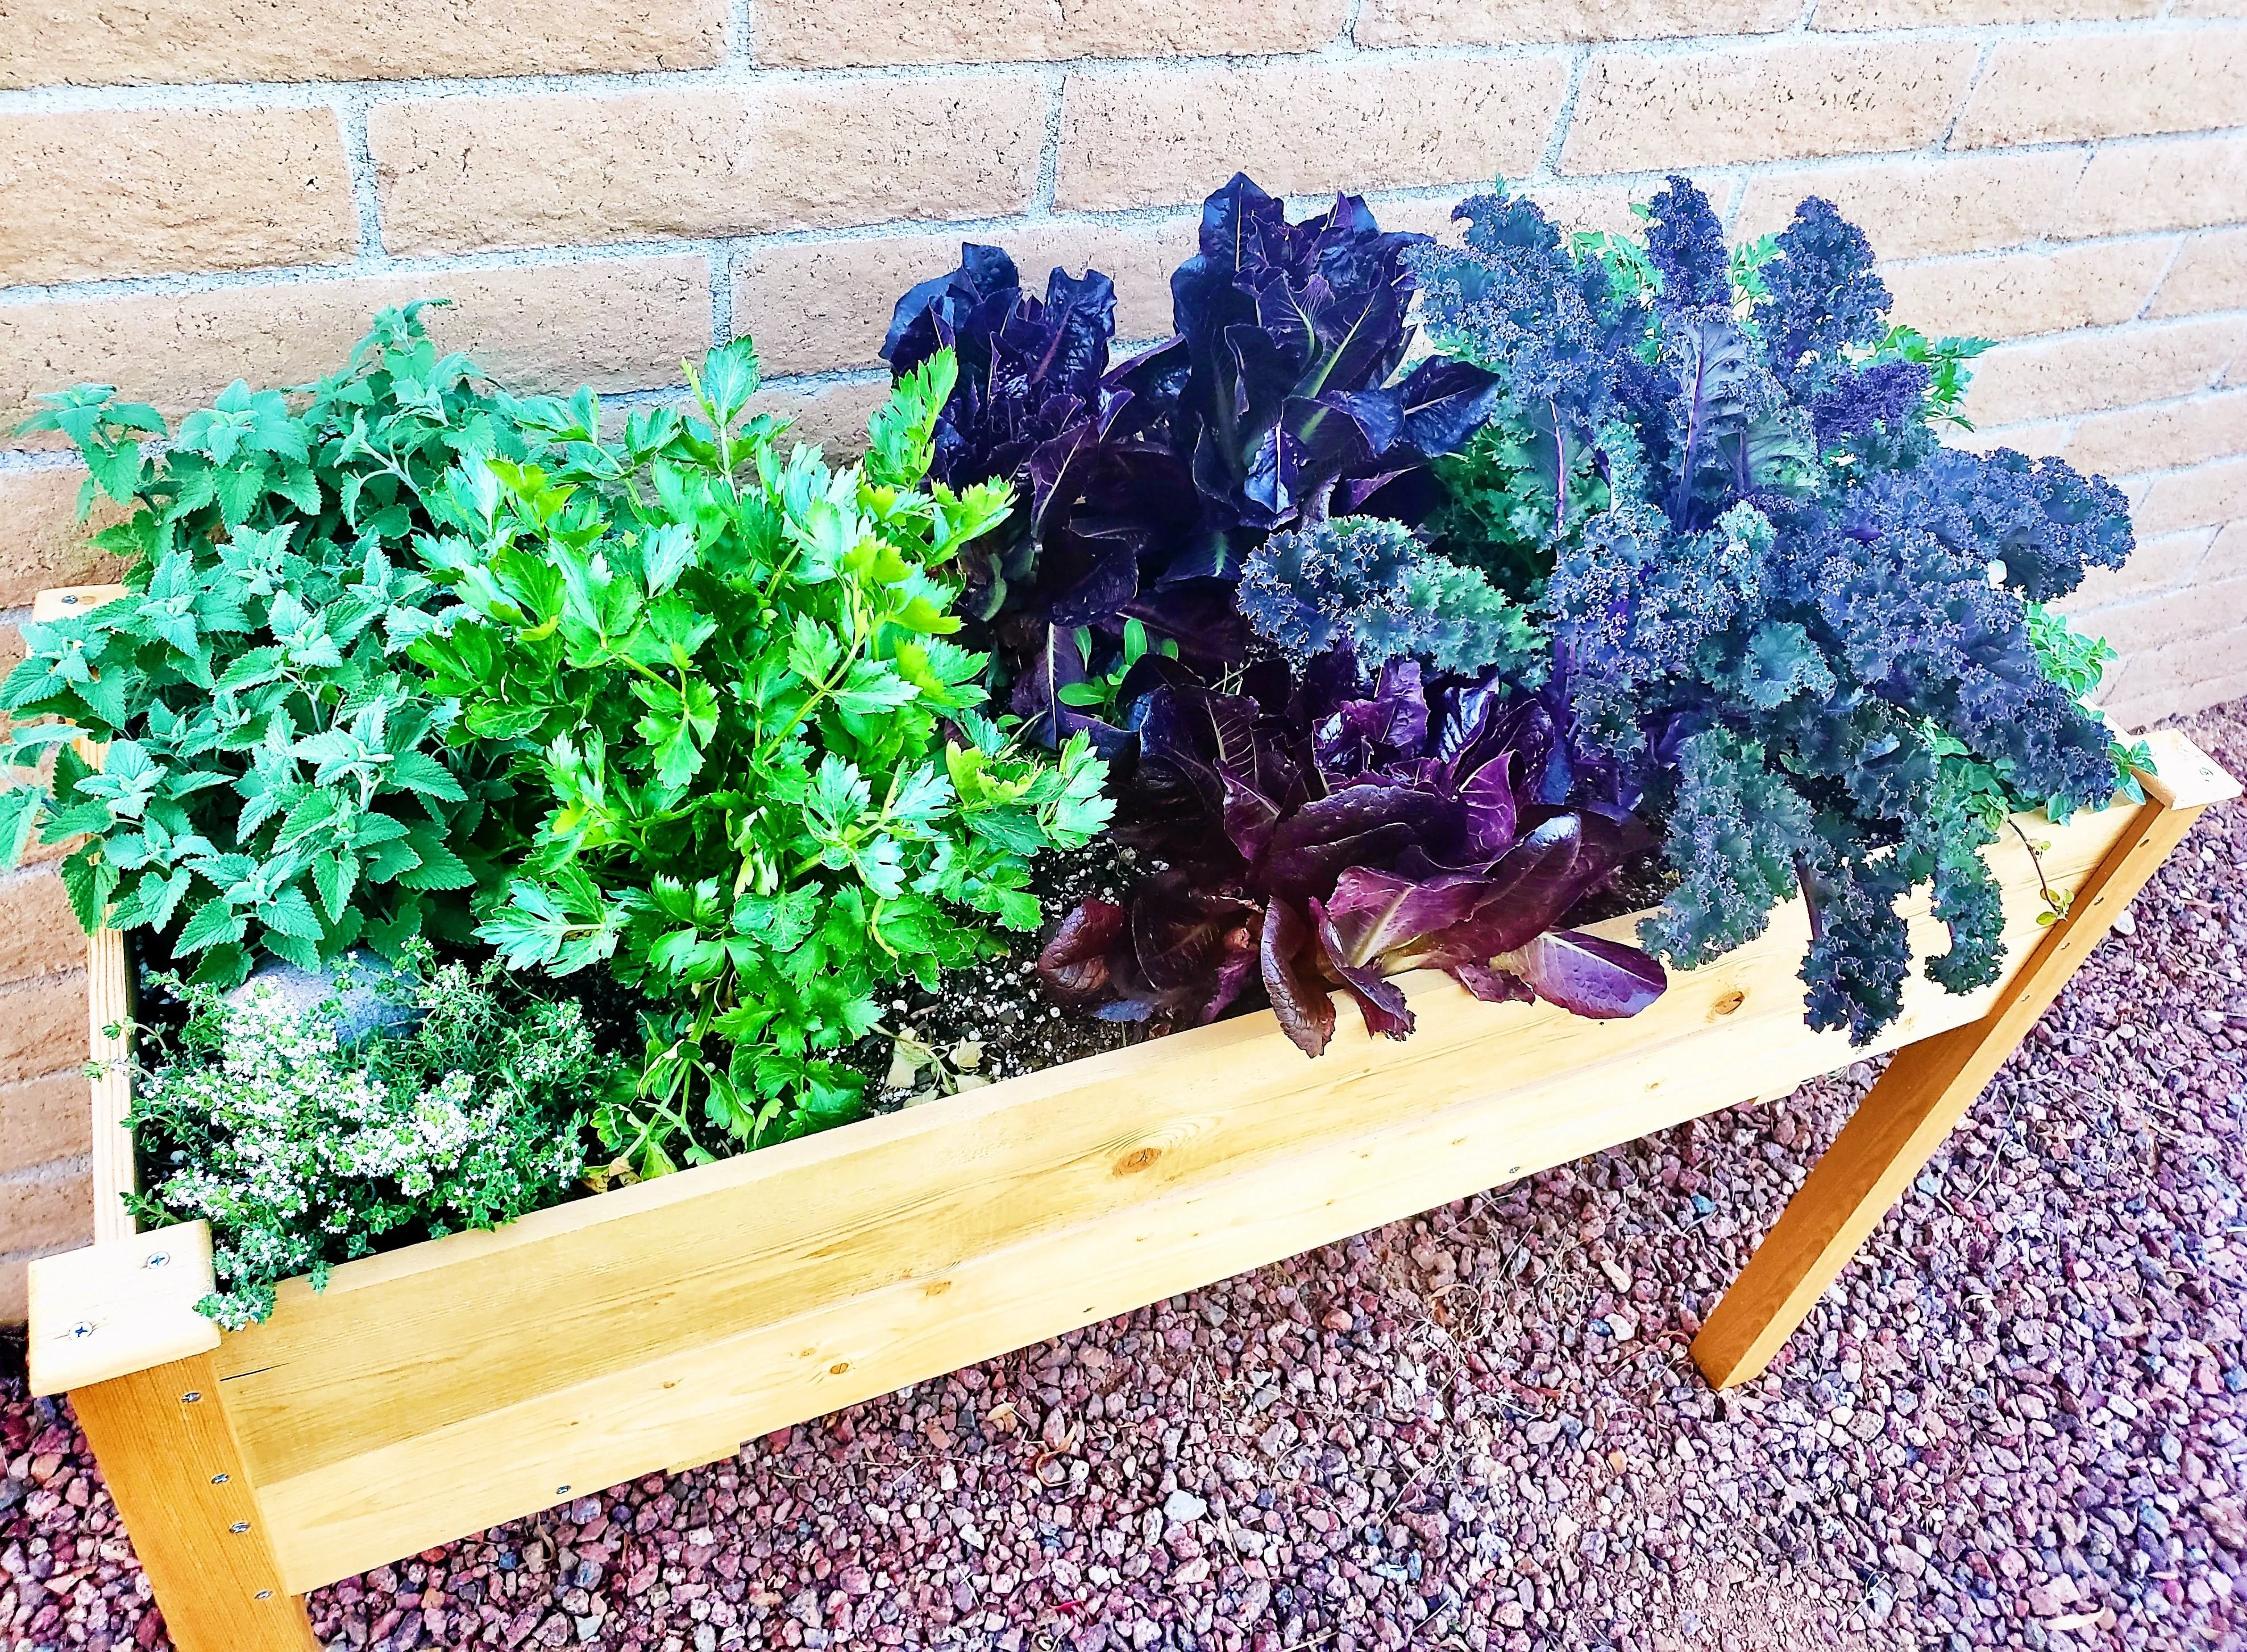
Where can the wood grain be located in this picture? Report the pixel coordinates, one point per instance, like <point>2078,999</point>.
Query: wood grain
<point>1925,1091</point>
<point>105,1310</point>
<point>1184,1182</point>
<point>172,1466</point>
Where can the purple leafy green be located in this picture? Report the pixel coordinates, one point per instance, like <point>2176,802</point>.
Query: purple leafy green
<point>1331,829</point>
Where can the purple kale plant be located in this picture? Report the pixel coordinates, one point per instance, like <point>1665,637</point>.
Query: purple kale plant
<point>1802,630</point>
<point>1316,834</point>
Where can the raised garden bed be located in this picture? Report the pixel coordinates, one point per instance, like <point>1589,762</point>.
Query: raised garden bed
<point>1653,576</point>
<point>433,1391</point>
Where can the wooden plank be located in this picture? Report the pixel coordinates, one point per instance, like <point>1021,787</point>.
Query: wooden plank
<point>107,1310</point>
<point>173,1469</point>
<point>1929,1087</point>
<point>109,997</point>
<point>2183,776</point>
<point>408,1342</point>
<point>406,1489</point>
<point>65,602</point>
<point>109,1016</point>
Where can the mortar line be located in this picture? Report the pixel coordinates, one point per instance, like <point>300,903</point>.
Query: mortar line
<point>367,194</point>
<point>721,258</point>
<point>1549,162</point>
<point>1055,88</point>
<point>1982,60</point>
<point>740,73</point>
<point>2154,292</point>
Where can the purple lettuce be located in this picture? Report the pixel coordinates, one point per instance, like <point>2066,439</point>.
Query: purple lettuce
<point>1278,383</point>
<point>1140,486</point>
<point>1320,833</point>
<point>1101,503</point>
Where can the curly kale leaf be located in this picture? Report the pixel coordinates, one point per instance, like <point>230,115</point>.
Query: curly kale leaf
<point>1860,950</point>
<point>1736,830</point>
<point>1368,584</point>
<point>1686,244</point>
<point>1821,295</point>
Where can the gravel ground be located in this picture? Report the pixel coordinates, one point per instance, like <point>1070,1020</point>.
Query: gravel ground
<point>2018,1423</point>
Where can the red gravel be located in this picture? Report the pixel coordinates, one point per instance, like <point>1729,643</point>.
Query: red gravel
<point>2019,1422</point>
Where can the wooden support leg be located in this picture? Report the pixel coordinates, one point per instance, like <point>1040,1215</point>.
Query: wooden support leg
<point>114,1325</point>
<point>169,1456</point>
<point>1926,1088</point>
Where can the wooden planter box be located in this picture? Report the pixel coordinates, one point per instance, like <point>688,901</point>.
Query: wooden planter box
<point>434,1391</point>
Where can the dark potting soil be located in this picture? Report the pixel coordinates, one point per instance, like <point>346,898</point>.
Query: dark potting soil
<point>1641,883</point>
<point>991,1021</point>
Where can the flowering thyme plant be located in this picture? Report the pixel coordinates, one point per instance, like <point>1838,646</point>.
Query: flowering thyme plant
<point>302,1153</point>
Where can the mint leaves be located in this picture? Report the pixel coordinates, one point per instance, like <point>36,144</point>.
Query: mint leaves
<point>278,778</point>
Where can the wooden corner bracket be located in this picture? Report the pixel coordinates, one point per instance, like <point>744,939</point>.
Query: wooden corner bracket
<point>115,1327</point>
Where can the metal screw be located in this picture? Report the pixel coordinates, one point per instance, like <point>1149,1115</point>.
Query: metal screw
<point>221,1479</point>
<point>158,1260</point>
<point>239,1527</point>
<point>264,1594</point>
<point>191,1396</point>
<point>83,1327</point>
<point>70,602</point>
<point>561,1491</point>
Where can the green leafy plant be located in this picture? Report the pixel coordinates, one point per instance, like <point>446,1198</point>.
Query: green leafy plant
<point>1497,516</point>
<point>1945,360</point>
<point>275,780</point>
<point>1102,693</point>
<point>762,783</point>
<point>302,1153</point>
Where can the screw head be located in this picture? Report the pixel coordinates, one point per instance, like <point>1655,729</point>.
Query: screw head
<point>561,1491</point>
<point>239,1527</point>
<point>264,1594</point>
<point>191,1396</point>
<point>221,1479</point>
<point>158,1258</point>
<point>70,602</point>
<point>83,1327</point>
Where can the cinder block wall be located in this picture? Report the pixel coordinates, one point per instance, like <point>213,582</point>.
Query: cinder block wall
<point>196,190</point>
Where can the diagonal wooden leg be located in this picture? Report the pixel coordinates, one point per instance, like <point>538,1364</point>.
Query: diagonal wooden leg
<point>1926,1088</point>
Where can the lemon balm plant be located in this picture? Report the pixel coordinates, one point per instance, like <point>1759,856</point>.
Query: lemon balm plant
<point>757,778</point>
<point>278,777</point>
